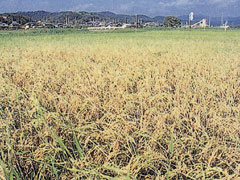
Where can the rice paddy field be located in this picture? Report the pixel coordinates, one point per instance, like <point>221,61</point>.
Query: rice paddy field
<point>120,105</point>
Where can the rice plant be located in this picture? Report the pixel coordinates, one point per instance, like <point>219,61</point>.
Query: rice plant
<point>130,105</point>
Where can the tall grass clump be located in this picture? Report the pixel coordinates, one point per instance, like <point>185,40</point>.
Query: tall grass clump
<point>147,105</point>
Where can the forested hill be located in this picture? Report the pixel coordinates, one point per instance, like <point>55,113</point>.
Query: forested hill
<point>86,16</point>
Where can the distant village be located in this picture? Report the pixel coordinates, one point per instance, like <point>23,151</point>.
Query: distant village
<point>91,25</point>
<point>18,22</point>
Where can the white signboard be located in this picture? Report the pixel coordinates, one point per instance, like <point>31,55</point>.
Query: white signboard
<point>191,16</point>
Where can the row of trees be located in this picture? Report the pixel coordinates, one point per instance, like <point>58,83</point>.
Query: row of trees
<point>9,18</point>
<point>172,21</point>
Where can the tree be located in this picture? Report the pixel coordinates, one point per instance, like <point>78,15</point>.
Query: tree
<point>10,17</point>
<point>172,21</point>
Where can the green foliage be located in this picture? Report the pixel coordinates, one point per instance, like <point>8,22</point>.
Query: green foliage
<point>10,17</point>
<point>172,21</point>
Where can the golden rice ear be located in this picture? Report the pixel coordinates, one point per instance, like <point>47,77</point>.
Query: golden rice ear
<point>93,105</point>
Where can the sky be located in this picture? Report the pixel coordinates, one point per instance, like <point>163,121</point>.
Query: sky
<point>151,8</point>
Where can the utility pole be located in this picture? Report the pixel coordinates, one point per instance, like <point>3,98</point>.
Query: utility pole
<point>67,20</point>
<point>222,20</point>
<point>136,21</point>
<point>19,19</point>
<point>189,24</point>
<point>209,21</point>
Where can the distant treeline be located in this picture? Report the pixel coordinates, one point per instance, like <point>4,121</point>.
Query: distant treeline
<point>85,17</point>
